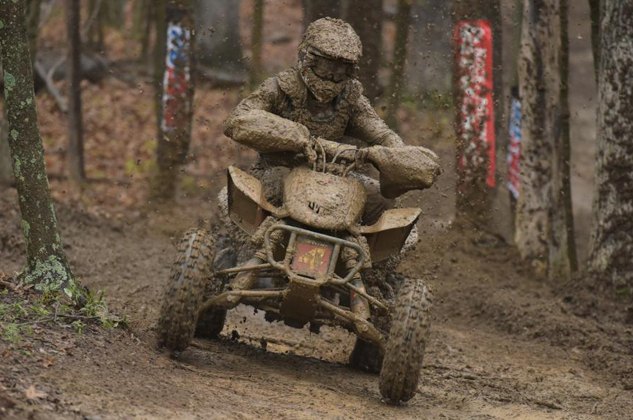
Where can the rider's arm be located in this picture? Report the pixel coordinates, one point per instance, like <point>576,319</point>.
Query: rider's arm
<point>366,125</point>
<point>254,124</point>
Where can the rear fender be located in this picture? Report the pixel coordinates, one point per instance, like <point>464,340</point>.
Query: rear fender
<point>387,236</point>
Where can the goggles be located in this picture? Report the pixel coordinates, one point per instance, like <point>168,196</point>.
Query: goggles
<point>328,69</point>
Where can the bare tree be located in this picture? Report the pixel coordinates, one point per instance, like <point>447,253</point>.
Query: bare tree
<point>317,9</point>
<point>596,15</point>
<point>6,173</point>
<point>612,233</point>
<point>32,24</point>
<point>429,61</point>
<point>365,16</point>
<point>160,42</point>
<point>256,44</point>
<point>542,220</point>
<point>562,164</point>
<point>396,82</point>
<point>218,44</point>
<point>174,133</point>
<point>143,16</point>
<point>47,267</point>
<point>95,35</point>
<point>76,167</point>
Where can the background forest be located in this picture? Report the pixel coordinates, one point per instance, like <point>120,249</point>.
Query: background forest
<point>533,310</point>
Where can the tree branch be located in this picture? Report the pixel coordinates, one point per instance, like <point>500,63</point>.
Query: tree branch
<point>50,86</point>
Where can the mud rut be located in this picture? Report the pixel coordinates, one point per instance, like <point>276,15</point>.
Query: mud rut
<point>502,345</point>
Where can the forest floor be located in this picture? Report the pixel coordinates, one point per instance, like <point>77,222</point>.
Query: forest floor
<point>504,343</point>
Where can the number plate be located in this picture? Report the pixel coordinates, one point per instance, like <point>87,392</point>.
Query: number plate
<point>311,258</point>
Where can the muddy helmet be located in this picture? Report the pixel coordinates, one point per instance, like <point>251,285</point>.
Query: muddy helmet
<point>328,57</point>
<point>334,39</point>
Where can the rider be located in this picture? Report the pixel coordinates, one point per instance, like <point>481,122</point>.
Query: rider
<point>318,97</point>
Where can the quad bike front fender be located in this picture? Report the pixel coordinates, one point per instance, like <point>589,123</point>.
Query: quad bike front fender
<point>388,235</point>
<point>247,204</point>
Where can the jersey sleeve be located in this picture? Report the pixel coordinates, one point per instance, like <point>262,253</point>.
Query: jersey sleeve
<point>366,125</point>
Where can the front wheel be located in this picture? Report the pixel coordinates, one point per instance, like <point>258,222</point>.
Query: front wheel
<point>189,276</point>
<point>211,322</point>
<point>404,349</point>
<point>366,356</point>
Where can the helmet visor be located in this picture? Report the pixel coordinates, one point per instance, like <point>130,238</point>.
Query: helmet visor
<point>329,69</point>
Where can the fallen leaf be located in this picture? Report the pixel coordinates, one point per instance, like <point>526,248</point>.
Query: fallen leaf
<point>33,394</point>
<point>48,362</point>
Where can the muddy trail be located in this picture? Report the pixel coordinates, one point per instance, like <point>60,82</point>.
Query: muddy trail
<point>503,344</point>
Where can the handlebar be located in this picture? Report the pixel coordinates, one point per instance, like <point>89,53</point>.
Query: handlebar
<point>401,169</point>
<point>335,151</point>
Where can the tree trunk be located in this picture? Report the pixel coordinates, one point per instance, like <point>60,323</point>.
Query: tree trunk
<point>365,16</point>
<point>611,254</point>
<point>75,156</point>
<point>542,220</point>
<point>539,80</point>
<point>47,267</point>
<point>396,82</point>
<point>596,15</point>
<point>564,226</point>
<point>317,9</point>
<point>6,172</point>
<point>143,12</point>
<point>513,150</point>
<point>218,35</point>
<point>177,100</point>
<point>113,12</point>
<point>32,24</point>
<point>429,65</point>
<point>160,48</point>
<point>95,31</point>
<point>477,142</point>
<point>256,45</point>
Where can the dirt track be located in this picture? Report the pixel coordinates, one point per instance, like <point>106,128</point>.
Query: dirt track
<point>502,345</point>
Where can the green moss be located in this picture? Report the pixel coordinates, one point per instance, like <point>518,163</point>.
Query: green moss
<point>1,24</point>
<point>9,81</point>
<point>14,134</point>
<point>78,326</point>
<point>96,307</point>
<point>51,276</point>
<point>11,333</point>
<point>26,229</point>
<point>623,292</point>
<point>17,168</point>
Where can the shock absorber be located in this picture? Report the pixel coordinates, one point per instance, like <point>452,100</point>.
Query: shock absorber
<point>246,279</point>
<point>358,304</point>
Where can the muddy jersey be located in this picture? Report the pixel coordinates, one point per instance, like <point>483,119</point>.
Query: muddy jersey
<point>349,115</point>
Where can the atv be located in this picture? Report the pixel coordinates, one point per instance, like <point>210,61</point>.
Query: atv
<point>310,256</point>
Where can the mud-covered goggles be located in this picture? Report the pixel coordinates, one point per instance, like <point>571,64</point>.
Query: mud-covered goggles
<point>329,69</point>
